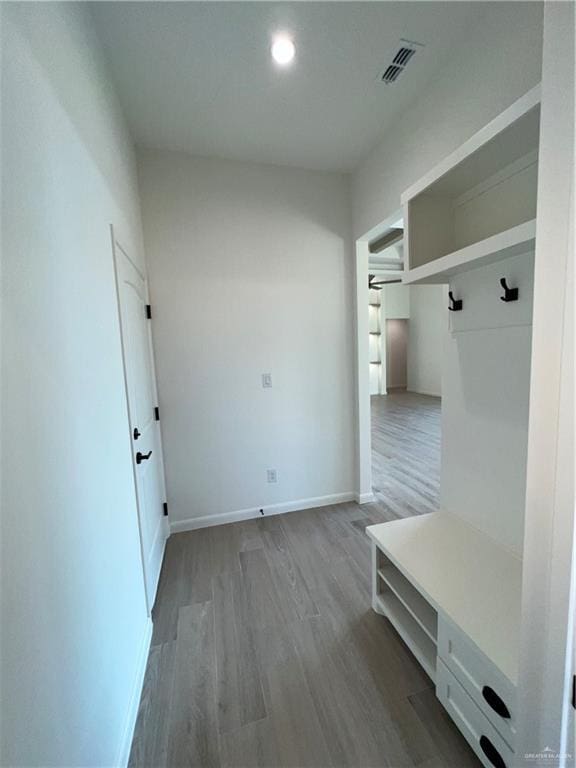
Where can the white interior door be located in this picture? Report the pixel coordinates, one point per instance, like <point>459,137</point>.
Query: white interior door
<point>142,401</point>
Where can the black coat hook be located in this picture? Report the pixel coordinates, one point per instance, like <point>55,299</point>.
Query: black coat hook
<point>455,304</point>
<point>510,294</point>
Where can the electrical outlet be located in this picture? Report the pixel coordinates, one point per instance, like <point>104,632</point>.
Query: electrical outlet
<point>271,476</point>
<point>267,380</point>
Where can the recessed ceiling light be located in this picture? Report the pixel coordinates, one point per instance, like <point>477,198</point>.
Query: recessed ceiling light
<point>283,50</point>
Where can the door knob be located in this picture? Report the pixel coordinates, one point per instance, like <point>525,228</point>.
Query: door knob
<point>140,457</point>
<point>136,434</point>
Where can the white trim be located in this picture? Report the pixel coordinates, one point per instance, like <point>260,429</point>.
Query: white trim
<point>157,549</point>
<point>363,435</point>
<point>515,111</point>
<point>363,439</point>
<point>424,392</point>
<point>383,354</point>
<point>512,242</point>
<point>364,498</point>
<point>207,521</point>
<point>545,715</point>
<point>132,713</point>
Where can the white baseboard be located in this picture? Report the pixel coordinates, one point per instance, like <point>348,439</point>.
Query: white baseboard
<point>249,514</point>
<point>132,714</point>
<point>364,498</point>
<point>424,392</point>
<point>154,565</point>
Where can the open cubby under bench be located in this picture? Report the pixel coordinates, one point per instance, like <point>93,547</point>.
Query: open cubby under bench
<point>453,595</point>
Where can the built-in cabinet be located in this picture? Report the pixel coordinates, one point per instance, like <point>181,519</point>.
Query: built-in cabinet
<point>453,595</point>
<point>450,582</point>
<point>479,205</point>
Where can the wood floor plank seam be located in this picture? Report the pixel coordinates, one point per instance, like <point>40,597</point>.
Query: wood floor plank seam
<point>266,652</point>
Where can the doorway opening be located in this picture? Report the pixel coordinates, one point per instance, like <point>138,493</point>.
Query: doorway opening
<point>401,335</point>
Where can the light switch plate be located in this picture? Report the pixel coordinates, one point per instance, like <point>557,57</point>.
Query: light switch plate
<point>271,476</point>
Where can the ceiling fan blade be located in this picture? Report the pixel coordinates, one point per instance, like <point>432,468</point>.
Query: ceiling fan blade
<point>374,286</point>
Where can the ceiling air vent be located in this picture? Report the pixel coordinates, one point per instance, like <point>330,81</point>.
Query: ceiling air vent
<point>391,73</point>
<point>403,55</point>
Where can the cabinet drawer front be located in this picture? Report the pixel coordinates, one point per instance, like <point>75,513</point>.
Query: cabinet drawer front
<point>491,690</point>
<point>484,739</point>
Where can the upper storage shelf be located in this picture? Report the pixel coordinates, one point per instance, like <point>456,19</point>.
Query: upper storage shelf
<point>479,204</point>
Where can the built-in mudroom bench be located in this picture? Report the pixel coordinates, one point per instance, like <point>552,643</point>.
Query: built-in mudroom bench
<point>453,595</point>
<point>450,582</point>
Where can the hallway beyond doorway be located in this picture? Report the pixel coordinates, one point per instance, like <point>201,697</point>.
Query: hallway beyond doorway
<point>405,453</point>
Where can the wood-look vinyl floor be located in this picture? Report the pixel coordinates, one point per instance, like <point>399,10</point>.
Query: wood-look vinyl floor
<point>405,453</point>
<point>266,651</point>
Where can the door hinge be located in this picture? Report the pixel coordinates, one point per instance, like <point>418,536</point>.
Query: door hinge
<point>148,311</point>
<point>165,508</point>
<point>157,413</point>
<point>574,691</point>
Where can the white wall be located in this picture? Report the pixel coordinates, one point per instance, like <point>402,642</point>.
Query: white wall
<point>488,71</point>
<point>73,611</point>
<point>549,563</point>
<point>250,272</point>
<point>485,390</point>
<point>396,301</point>
<point>427,334</point>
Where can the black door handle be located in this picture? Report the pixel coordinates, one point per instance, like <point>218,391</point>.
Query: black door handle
<point>136,434</point>
<point>491,752</point>
<point>492,698</point>
<point>140,457</point>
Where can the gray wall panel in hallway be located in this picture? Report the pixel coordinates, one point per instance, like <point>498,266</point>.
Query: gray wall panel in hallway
<point>396,354</point>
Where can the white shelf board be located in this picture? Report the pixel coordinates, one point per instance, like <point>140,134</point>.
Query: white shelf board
<point>412,600</point>
<point>410,631</point>
<point>465,575</point>
<point>512,242</point>
<point>510,135</point>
